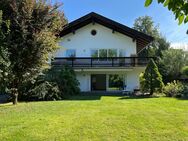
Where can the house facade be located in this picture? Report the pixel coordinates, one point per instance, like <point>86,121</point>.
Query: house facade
<point>103,53</point>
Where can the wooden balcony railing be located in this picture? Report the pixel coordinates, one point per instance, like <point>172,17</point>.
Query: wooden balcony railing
<point>89,62</point>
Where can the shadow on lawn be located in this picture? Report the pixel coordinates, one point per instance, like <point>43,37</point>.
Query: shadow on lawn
<point>93,96</point>
<point>138,97</point>
<point>84,97</point>
<point>183,98</point>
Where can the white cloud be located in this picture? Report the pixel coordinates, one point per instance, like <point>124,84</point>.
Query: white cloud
<point>183,46</point>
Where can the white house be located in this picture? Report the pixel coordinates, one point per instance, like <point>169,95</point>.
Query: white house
<point>103,53</point>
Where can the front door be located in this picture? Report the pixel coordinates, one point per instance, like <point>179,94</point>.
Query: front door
<point>98,82</point>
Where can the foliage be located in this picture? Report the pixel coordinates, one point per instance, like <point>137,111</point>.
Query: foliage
<point>146,25</point>
<point>4,62</point>
<point>44,91</point>
<point>185,91</point>
<point>54,84</point>
<point>178,7</point>
<point>66,80</point>
<point>185,71</point>
<point>151,79</point>
<point>141,80</point>
<point>172,61</point>
<point>173,89</point>
<point>34,25</point>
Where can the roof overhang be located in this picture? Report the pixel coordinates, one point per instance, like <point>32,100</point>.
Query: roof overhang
<point>142,40</point>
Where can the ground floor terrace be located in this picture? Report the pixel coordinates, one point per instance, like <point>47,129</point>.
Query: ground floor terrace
<point>109,79</point>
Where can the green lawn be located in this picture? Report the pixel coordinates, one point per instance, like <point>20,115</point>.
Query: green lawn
<point>96,118</point>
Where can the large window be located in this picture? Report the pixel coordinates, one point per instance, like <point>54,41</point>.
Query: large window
<point>112,53</point>
<point>94,53</point>
<point>104,53</point>
<point>116,82</point>
<point>122,53</point>
<point>71,53</point>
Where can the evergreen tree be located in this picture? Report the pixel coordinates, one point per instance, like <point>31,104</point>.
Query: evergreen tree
<point>152,79</point>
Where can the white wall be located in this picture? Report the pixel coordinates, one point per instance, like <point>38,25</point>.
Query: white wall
<point>84,80</point>
<point>83,41</point>
<point>131,78</point>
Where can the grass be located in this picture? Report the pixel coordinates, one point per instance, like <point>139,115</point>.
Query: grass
<point>96,118</point>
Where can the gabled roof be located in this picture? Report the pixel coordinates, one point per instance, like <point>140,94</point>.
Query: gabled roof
<point>141,39</point>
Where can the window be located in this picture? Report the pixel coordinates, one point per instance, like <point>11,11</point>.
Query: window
<point>71,53</point>
<point>103,53</point>
<point>93,32</point>
<point>121,53</point>
<point>94,53</point>
<point>116,82</point>
<point>112,53</point>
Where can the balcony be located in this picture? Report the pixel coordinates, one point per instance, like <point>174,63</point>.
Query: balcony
<point>102,62</point>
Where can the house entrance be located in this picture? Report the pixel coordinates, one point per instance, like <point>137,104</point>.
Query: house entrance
<point>98,82</point>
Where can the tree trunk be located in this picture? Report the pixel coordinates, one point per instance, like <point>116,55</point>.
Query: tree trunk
<point>14,96</point>
<point>151,92</point>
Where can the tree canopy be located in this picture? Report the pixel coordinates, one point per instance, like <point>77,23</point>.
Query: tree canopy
<point>178,7</point>
<point>34,25</point>
<point>146,25</point>
<point>172,62</point>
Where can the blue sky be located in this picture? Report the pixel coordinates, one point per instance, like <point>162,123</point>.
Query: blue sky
<point>125,12</point>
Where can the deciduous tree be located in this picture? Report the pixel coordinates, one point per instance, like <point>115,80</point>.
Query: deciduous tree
<point>178,7</point>
<point>34,25</point>
<point>146,25</point>
<point>172,61</point>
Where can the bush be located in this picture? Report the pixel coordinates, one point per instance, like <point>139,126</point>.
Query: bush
<point>173,89</point>
<point>54,84</point>
<point>66,80</point>
<point>185,91</point>
<point>185,70</point>
<point>45,91</point>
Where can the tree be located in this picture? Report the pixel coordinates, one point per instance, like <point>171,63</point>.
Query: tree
<point>178,7</point>
<point>34,25</point>
<point>146,25</point>
<point>4,62</point>
<point>152,79</point>
<point>172,61</point>
<point>185,71</point>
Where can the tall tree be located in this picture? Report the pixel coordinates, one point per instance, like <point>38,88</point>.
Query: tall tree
<point>146,25</point>
<point>34,25</point>
<point>152,79</point>
<point>4,62</point>
<point>172,62</point>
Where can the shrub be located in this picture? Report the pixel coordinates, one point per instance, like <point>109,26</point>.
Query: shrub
<point>173,89</point>
<point>45,91</point>
<point>54,84</point>
<point>185,70</point>
<point>185,91</point>
<point>66,80</point>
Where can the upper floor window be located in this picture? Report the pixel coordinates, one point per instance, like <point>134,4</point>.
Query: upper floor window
<point>122,53</point>
<point>71,53</point>
<point>104,53</point>
<point>112,52</point>
<point>94,53</point>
